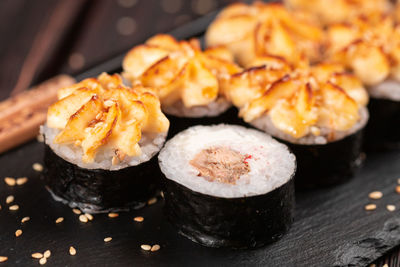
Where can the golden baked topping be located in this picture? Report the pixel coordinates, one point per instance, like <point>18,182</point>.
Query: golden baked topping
<point>297,102</point>
<point>179,71</point>
<point>102,111</point>
<point>257,30</point>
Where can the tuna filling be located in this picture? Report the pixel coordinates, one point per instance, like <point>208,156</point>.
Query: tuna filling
<point>220,164</point>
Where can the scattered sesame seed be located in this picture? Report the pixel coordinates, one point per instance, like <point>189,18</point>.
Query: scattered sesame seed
<point>370,207</point>
<point>151,201</point>
<point>9,181</point>
<point>37,255</point>
<point>107,239</point>
<point>3,258</point>
<point>385,265</point>
<point>139,219</point>
<point>25,219</point>
<point>47,254</point>
<point>13,207</point>
<point>37,167</point>
<point>83,218</point>
<point>18,232</point>
<point>145,247</point>
<point>22,180</point>
<point>89,216</point>
<point>113,215</point>
<point>391,207</point>
<point>60,220</point>
<point>155,248</point>
<point>76,211</point>
<point>43,261</point>
<point>162,194</point>
<point>9,199</point>
<point>398,189</point>
<point>72,251</point>
<point>375,195</point>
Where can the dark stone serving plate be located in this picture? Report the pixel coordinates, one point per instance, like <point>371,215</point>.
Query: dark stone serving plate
<point>331,227</point>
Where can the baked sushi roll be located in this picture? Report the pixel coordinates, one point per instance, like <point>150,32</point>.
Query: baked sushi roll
<point>265,29</point>
<point>370,47</point>
<point>188,81</point>
<point>101,140</point>
<point>319,112</point>
<point>228,186</point>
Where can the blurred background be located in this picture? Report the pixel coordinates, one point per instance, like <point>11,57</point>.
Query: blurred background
<point>40,39</point>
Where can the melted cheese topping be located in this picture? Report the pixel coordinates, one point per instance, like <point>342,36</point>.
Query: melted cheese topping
<point>180,71</point>
<point>101,111</point>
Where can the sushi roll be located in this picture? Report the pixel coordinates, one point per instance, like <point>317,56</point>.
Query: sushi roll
<point>318,111</point>
<point>369,45</point>
<point>265,29</point>
<point>188,81</point>
<point>228,186</point>
<point>101,142</point>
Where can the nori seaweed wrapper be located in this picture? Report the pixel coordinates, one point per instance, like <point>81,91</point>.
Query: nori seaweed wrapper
<point>97,190</point>
<point>246,222</point>
<point>383,128</point>
<point>178,124</point>
<point>327,164</point>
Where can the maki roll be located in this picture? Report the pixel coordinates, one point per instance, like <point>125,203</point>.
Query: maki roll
<point>188,81</point>
<point>101,140</point>
<point>265,29</point>
<point>318,111</point>
<point>228,186</point>
<point>369,45</point>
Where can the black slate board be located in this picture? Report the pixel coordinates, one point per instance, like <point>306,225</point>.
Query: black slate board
<point>331,226</point>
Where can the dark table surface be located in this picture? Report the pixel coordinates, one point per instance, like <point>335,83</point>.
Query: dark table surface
<point>40,39</point>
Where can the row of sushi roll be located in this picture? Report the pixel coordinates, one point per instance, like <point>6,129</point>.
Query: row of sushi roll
<point>280,70</point>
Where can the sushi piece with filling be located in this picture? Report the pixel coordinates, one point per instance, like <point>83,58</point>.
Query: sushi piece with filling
<point>101,139</point>
<point>188,81</point>
<point>228,186</point>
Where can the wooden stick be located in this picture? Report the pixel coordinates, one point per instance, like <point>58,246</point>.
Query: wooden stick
<point>22,114</point>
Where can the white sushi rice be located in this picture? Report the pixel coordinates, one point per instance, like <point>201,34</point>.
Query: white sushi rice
<point>271,164</point>
<point>150,144</point>
<point>265,123</point>
<point>389,89</point>
<point>213,109</point>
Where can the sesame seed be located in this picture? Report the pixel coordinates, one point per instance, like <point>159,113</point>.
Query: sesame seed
<point>152,201</point>
<point>72,251</point>
<point>60,220</point>
<point>22,180</point>
<point>375,195</point>
<point>76,211</point>
<point>9,181</point>
<point>25,219</point>
<point>391,207</point>
<point>107,239</point>
<point>83,218</point>
<point>113,215</point>
<point>89,216</point>
<point>3,258</point>
<point>13,207</point>
<point>43,261</point>
<point>18,232</point>
<point>162,194</point>
<point>47,254</point>
<point>370,207</point>
<point>145,247</point>
<point>138,219</point>
<point>385,265</point>
<point>9,199</point>
<point>37,167</point>
<point>155,247</point>
<point>398,189</point>
<point>37,255</point>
